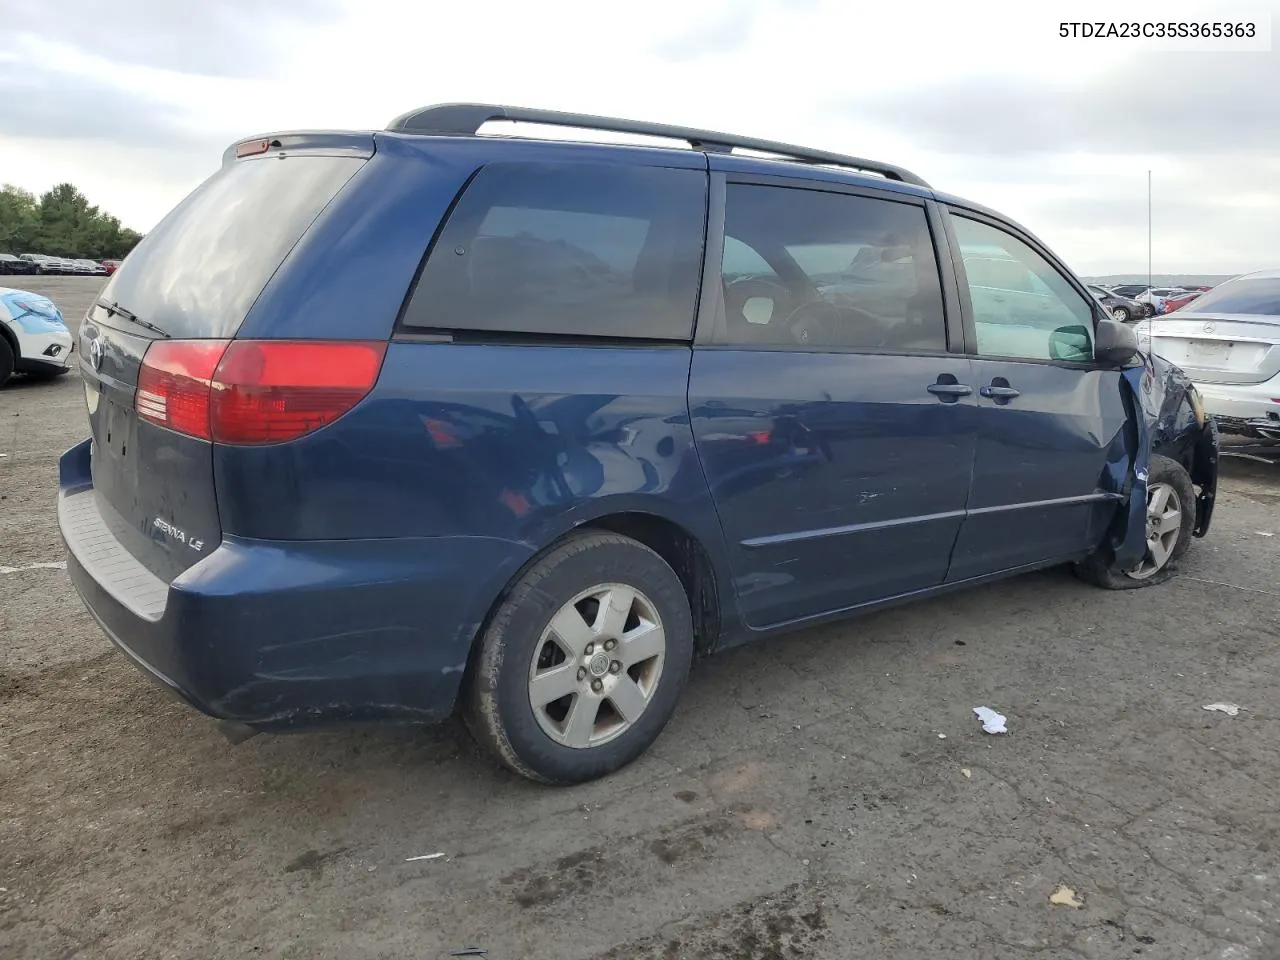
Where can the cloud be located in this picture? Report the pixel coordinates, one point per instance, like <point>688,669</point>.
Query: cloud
<point>727,30</point>
<point>983,100</point>
<point>49,104</point>
<point>1179,103</point>
<point>227,38</point>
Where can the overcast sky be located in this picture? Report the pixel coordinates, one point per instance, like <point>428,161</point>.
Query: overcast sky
<point>134,100</point>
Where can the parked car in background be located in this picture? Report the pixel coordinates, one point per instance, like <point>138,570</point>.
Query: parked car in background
<point>1122,308</point>
<point>43,264</point>
<point>1130,290</point>
<point>1152,303</point>
<point>110,266</point>
<point>91,267</point>
<point>33,337</point>
<point>1180,300</point>
<point>16,266</point>
<point>1228,342</point>
<point>1140,293</point>
<point>600,408</point>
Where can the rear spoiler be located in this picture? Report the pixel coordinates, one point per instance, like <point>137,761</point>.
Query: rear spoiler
<point>331,143</point>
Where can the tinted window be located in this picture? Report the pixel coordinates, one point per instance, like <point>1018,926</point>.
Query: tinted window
<point>841,272</point>
<point>577,249</point>
<point>1260,296</point>
<point>1022,306</point>
<point>198,272</point>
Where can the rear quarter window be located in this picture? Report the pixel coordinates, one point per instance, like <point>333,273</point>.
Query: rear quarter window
<point>584,250</point>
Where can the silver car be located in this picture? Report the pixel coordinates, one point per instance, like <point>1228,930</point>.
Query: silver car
<point>1228,343</point>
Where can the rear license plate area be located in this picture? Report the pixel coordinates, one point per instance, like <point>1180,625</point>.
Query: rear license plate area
<point>1209,354</point>
<point>114,431</point>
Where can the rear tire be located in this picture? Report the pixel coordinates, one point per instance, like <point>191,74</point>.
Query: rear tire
<point>6,361</point>
<point>582,663</point>
<point>1171,511</point>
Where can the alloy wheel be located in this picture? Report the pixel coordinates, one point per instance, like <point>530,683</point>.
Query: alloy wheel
<point>1164,523</point>
<point>597,665</point>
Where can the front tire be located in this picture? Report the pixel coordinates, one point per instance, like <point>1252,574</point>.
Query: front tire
<point>581,665</point>
<point>1120,314</point>
<point>1171,517</point>
<point>6,361</point>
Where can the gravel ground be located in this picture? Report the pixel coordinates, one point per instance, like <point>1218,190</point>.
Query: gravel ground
<point>826,795</point>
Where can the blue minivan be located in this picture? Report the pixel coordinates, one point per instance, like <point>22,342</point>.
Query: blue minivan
<point>388,425</point>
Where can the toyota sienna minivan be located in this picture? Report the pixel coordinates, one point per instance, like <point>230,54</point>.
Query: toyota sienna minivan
<point>387,425</point>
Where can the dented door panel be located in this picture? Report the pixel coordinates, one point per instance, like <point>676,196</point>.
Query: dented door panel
<point>1043,484</point>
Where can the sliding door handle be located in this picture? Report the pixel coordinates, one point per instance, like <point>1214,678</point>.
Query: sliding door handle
<point>999,394</point>
<point>950,392</point>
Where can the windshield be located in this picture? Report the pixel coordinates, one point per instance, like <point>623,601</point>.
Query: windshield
<point>1261,296</point>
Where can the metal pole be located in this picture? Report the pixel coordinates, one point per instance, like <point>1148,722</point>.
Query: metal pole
<point>1149,281</point>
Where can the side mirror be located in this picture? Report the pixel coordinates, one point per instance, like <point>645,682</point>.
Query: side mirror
<point>1114,344</point>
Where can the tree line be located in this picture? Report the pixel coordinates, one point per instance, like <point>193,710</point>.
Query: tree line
<point>61,223</point>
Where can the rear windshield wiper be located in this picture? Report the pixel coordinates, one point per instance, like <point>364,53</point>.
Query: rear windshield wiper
<point>115,310</point>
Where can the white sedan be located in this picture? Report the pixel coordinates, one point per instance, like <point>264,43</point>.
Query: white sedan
<point>33,337</point>
<point>1228,343</point>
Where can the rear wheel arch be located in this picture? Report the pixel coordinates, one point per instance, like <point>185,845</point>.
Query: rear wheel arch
<point>673,542</point>
<point>686,555</point>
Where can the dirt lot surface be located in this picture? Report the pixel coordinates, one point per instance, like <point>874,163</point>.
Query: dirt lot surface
<point>826,795</point>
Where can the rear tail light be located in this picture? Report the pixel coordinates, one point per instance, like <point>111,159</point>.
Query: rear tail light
<point>253,391</point>
<point>173,384</point>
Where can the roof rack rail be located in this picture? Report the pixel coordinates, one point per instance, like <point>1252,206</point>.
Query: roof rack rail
<point>466,119</point>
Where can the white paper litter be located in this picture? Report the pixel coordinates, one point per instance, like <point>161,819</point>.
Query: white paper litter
<point>1263,533</point>
<point>992,722</point>
<point>1230,709</point>
<point>1064,896</point>
<point>56,565</point>
<point>425,856</point>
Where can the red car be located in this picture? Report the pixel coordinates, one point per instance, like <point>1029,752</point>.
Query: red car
<point>1173,303</point>
<point>111,265</point>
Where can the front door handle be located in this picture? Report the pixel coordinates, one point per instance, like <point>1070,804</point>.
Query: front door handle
<point>950,392</point>
<point>999,391</point>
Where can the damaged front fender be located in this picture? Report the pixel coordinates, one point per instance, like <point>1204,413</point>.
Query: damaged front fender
<point>1167,419</point>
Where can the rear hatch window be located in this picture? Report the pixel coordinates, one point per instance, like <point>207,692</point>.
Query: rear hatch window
<point>197,274</point>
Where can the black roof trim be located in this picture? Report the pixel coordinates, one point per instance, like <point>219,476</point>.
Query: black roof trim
<point>466,119</point>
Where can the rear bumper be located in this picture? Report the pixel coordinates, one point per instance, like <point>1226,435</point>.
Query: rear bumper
<point>282,635</point>
<point>1243,408</point>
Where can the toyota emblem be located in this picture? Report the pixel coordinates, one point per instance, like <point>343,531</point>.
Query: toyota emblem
<point>95,353</point>
<point>1210,327</point>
